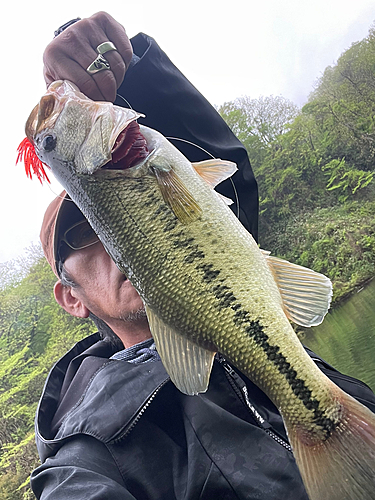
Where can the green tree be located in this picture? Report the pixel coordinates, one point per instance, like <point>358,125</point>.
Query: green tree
<point>343,105</point>
<point>258,122</point>
<point>34,332</point>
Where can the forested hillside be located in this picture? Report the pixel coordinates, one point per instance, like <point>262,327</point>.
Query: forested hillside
<point>34,333</point>
<point>315,169</point>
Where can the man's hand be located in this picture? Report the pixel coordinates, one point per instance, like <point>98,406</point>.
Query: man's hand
<point>70,53</point>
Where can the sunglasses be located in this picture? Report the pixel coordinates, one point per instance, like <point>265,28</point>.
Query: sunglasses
<point>80,236</point>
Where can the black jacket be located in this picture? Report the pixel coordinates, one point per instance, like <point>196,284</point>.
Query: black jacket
<point>109,429</point>
<point>174,107</point>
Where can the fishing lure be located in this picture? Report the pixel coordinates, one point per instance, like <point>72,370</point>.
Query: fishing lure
<point>33,165</point>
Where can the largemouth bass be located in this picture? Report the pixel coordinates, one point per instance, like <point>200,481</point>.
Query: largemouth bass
<point>205,284</point>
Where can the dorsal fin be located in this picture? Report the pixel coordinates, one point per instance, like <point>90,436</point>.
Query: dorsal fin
<point>215,171</point>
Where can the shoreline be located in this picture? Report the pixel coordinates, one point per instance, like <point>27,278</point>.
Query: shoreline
<point>341,299</point>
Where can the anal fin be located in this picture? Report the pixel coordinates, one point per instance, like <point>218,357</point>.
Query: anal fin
<point>306,294</point>
<point>188,364</point>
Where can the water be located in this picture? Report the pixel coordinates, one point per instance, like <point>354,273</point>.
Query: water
<point>346,338</point>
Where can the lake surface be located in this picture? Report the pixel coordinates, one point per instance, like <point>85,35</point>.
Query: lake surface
<point>346,338</point>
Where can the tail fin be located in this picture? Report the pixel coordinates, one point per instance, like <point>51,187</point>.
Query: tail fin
<point>343,466</point>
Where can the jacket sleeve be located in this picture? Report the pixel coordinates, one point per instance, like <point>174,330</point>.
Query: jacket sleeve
<point>82,468</point>
<point>356,388</point>
<point>173,106</point>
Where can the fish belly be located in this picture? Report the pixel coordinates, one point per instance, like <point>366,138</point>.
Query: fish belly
<point>207,279</point>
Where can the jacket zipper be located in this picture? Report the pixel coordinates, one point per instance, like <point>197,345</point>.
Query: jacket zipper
<point>139,414</point>
<point>242,392</point>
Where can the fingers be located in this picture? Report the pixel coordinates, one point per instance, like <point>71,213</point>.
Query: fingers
<point>68,56</point>
<point>115,32</point>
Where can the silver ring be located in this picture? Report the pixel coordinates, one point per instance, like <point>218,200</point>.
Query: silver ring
<point>105,47</point>
<point>101,63</point>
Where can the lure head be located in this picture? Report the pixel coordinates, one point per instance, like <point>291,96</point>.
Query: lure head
<point>72,134</point>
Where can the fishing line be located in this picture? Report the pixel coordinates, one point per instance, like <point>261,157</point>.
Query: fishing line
<point>58,195</point>
<point>212,156</point>
<point>237,201</point>
<point>127,102</point>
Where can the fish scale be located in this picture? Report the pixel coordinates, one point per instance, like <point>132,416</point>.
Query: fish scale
<point>206,285</point>
<point>149,250</point>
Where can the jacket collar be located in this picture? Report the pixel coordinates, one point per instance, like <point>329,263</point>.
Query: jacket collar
<point>87,393</point>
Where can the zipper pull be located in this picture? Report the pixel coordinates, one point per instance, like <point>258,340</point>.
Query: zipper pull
<point>240,384</point>
<point>227,368</point>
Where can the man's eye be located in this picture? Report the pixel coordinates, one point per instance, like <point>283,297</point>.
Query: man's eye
<point>86,235</point>
<point>49,143</point>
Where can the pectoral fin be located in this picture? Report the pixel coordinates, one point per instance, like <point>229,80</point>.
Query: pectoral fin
<point>177,196</point>
<point>306,294</point>
<point>188,365</point>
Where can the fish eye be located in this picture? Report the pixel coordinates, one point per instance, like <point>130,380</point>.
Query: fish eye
<point>49,143</point>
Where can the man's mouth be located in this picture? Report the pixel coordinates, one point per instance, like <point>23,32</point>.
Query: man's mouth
<point>130,148</point>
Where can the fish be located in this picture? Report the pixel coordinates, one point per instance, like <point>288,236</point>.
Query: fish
<point>206,285</point>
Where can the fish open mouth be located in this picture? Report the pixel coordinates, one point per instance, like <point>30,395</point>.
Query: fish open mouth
<point>130,148</point>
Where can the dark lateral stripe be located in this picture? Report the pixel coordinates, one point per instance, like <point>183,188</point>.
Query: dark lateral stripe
<point>188,246</point>
<point>170,225</point>
<point>193,255</point>
<point>256,331</point>
<point>226,298</point>
<point>150,200</point>
<point>209,273</point>
<point>139,186</point>
<point>184,242</point>
<point>163,213</point>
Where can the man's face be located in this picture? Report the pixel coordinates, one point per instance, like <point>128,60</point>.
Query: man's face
<point>102,288</point>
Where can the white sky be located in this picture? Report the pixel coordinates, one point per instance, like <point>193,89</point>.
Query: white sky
<point>226,49</point>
